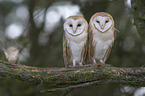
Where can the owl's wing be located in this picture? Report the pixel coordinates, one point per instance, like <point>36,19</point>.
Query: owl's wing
<point>90,46</point>
<point>115,32</point>
<point>110,47</point>
<point>107,53</point>
<point>66,52</point>
<point>84,53</point>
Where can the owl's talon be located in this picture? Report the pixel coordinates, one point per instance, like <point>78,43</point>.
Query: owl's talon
<point>74,63</point>
<point>80,64</point>
<point>101,61</point>
<point>94,61</point>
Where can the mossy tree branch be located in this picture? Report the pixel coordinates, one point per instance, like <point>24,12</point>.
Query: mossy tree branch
<point>57,79</point>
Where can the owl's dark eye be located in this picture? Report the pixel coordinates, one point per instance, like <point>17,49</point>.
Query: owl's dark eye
<point>97,21</point>
<point>106,21</point>
<point>79,25</point>
<point>70,25</point>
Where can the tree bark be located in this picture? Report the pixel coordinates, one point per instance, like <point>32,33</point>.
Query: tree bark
<point>59,79</point>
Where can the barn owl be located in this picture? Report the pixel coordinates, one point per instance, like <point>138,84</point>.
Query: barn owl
<point>101,37</point>
<point>74,41</point>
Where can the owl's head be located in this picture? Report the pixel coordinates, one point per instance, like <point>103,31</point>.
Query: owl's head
<point>102,21</point>
<point>75,25</point>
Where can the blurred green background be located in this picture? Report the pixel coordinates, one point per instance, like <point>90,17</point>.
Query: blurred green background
<point>31,34</point>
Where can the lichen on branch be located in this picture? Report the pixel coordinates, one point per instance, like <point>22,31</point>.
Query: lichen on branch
<point>57,79</point>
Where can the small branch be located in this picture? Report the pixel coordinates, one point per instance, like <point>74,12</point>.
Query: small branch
<point>66,92</point>
<point>60,79</point>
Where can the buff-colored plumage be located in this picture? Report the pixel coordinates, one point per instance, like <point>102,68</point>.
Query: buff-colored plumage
<point>101,37</point>
<point>74,41</point>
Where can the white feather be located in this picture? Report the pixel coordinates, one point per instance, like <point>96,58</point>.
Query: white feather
<point>76,49</point>
<point>102,42</point>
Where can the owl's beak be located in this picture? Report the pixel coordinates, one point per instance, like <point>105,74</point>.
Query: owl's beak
<point>102,26</point>
<point>74,29</point>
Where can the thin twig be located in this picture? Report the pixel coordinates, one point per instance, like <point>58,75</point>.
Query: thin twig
<point>66,92</point>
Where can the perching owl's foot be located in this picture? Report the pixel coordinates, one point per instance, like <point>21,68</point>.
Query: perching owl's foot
<point>74,63</point>
<point>80,64</point>
<point>94,61</point>
<point>102,65</point>
<point>98,61</point>
<point>101,61</point>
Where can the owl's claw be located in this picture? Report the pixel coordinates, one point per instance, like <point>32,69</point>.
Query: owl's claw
<point>101,61</point>
<point>94,61</point>
<point>74,63</point>
<point>80,64</point>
